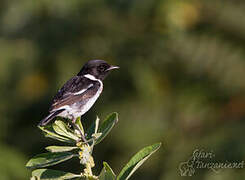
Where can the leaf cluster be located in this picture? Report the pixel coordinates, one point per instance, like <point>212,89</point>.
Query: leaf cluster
<point>75,147</point>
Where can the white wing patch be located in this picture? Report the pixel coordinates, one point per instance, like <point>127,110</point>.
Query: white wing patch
<point>83,90</point>
<point>91,77</point>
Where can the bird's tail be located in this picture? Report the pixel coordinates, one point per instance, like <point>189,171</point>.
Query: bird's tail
<point>51,116</point>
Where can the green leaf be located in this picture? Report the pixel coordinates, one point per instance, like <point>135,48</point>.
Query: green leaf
<point>48,159</point>
<point>61,128</point>
<point>60,148</point>
<point>137,160</point>
<point>49,132</point>
<point>79,124</point>
<point>93,128</point>
<point>49,174</point>
<point>106,126</point>
<point>107,173</point>
<point>34,178</point>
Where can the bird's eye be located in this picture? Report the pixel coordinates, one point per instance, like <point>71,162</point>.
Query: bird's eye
<point>101,68</point>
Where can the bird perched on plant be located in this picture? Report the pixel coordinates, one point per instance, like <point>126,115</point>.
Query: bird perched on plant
<point>79,93</point>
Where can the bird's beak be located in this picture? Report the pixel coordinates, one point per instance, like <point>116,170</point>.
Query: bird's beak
<point>112,67</point>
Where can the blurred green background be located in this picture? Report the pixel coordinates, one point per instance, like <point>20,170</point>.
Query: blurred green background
<point>180,83</point>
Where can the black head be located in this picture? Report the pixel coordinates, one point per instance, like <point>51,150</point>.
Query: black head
<point>98,68</point>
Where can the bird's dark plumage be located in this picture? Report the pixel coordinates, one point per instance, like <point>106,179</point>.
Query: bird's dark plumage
<point>67,94</point>
<point>79,93</point>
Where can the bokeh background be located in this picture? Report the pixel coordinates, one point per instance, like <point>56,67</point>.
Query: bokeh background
<point>181,80</point>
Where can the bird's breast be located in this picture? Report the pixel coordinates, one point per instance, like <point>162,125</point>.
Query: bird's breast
<point>90,102</point>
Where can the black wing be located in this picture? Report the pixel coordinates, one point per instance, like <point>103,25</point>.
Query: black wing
<point>75,89</point>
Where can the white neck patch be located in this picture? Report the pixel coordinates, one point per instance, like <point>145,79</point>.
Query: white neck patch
<point>91,77</point>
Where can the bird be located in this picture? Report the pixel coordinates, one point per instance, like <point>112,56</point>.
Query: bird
<point>79,93</point>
